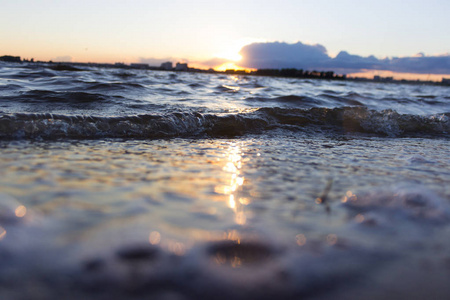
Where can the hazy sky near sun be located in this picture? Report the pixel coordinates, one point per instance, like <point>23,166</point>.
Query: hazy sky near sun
<point>112,30</point>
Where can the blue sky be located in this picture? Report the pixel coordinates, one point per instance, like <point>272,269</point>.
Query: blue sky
<point>197,31</point>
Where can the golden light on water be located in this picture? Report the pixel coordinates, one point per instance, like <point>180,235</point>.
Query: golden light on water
<point>2,233</point>
<point>223,189</point>
<point>349,196</point>
<point>244,201</point>
<point>21,211</point>
<point>240,218</point>
<point>236,262</point>
<point>232,203</point>
<point>232,235</point>
<point>235,253</point>
<point>232,166</point>
<point>154,238</point>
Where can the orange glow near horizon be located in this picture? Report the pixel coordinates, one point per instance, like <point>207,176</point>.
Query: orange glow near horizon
<point>399,76</point>
<point>231,66</point>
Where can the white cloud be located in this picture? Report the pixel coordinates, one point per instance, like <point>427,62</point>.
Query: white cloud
<point>279,55</point>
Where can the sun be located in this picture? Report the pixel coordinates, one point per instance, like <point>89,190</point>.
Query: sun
<point>231,50</point>
<point>227,66</point>
<point>232,66</point>
<point>230,54</point>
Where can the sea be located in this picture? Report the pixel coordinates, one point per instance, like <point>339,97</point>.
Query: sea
<point>121,183</point>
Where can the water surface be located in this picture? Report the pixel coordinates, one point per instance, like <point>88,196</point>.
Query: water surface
<point>140,184</point>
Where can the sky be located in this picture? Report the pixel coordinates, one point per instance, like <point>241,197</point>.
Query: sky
<point>210,33</point>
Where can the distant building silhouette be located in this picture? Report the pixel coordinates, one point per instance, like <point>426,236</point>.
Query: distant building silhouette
<point>167,65</point>
<point>383,79</point>
<point>298,73</point>
<point>10,58</point>
<point>181,67</point>
<point>139,66</point>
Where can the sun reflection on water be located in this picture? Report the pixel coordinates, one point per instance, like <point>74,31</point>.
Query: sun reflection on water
<point>154,238</point>
<point>349,196</point>
<point>2,233</point>
<point>233,166</point>
<point>21,211</point>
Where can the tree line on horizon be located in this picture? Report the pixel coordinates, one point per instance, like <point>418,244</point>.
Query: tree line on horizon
<point>298,73</point>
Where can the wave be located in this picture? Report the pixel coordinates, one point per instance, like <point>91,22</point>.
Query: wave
<point>44,96</point>
<point>289,100</point>
<point>114,86</point>
<point>10,87</point>
<point>192,124</point>
<point>29,73</point>
<point>346,100</point>
<point>227,88</point>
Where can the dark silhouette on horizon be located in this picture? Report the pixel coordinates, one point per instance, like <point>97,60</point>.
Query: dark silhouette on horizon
<point>10,58</point>
<point>183,67</point>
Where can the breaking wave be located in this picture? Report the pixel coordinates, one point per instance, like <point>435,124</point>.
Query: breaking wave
<point>189,124</point>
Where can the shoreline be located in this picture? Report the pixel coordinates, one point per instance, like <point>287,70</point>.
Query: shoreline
<point>279,73</point>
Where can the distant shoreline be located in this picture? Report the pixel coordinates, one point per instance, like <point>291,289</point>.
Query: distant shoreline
<point>284,73</point>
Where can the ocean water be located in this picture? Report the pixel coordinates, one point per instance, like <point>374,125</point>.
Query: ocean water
<point>137,184</point>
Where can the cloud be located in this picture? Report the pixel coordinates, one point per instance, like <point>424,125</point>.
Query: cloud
<point>355,63</point>
<point>279,55</point>
<point>283,55</point>
<point>423,64</point>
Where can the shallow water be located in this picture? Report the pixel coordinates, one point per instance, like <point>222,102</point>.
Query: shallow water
<point>237,197</point>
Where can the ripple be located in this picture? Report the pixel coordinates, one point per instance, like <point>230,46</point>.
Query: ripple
<point>237,254</point>
<point>405,202</point>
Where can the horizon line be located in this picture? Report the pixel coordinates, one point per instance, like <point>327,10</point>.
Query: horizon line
<point>374,75</point>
